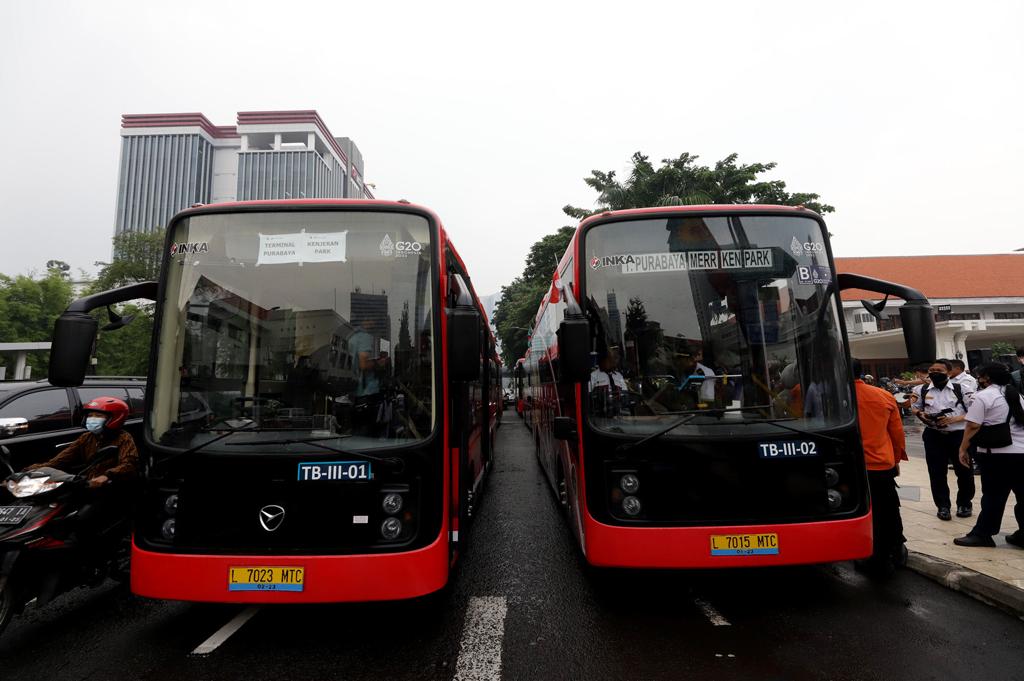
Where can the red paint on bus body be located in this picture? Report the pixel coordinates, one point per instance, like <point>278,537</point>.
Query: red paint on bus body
<point>328,579</point>
<point>690,547</point>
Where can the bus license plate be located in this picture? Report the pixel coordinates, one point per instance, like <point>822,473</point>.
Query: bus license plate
<point>335,471</point>
<point>263,578</point>
<point>13,515</point>
<point>744,544</point>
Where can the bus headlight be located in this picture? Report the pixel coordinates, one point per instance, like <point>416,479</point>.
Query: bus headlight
<point>392,503</point>
<point>167,529</point>
<point>629,483</point>
<point>831,477</point>
<point>391,528</point>
<point>631,506</point>
<point>835,499</point>
<point>171,504</point>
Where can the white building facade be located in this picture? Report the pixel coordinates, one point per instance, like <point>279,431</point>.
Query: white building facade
<point>978,301</point>
<point>172,161</point>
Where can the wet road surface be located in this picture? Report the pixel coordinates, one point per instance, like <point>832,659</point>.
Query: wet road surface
<point>523,605</point>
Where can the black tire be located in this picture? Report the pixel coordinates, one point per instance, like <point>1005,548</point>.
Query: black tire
<point>6,606</point>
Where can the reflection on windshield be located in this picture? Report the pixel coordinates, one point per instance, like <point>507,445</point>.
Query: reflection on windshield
<point>310,322</point>
<point>731,317</point>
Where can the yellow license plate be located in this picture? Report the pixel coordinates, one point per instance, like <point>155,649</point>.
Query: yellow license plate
<point>744,544</point>
<point>266,578</point>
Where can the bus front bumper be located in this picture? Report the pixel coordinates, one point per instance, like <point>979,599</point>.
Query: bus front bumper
<point>326,579</point>
<point>691,547</point>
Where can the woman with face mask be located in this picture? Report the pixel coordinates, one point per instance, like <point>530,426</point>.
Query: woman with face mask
<point>104,423</point>
<point>995,424</point>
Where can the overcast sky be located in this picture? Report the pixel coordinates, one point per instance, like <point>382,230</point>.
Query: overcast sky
<point>909,119</point>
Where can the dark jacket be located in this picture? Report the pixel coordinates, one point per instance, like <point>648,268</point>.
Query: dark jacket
<point>82,451</point>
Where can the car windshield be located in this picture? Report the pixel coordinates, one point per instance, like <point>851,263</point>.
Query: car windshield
<point>298,324</point>
<point>731,318</point>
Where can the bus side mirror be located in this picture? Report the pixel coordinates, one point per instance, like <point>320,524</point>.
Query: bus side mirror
<point>918,332</point>
<point>74,332</point>
<point>574,349</point>
<point>916,314</point>
<point>73,336</point>
<point>463,344</point>
<point>564,428</point>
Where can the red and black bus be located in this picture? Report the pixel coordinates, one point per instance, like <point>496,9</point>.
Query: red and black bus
<point>692,399</point>
<point>320,413</point>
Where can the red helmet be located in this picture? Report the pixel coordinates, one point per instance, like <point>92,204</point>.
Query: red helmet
<point>114,409</point>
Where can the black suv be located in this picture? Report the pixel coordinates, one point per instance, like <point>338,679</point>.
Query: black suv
<point>55,415</point>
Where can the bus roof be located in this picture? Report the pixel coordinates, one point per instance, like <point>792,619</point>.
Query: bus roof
<point>227,206</point>
<point>703,208</point>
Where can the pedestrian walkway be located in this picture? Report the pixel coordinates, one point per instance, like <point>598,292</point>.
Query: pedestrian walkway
<point>928,535</point>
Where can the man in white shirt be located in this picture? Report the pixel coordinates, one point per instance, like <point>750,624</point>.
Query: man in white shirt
<point>607,385</point>
<point>959,375</point>
<point>942,406</point>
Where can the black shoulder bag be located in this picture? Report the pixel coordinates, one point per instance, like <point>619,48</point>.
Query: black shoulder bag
<point>996,435</point>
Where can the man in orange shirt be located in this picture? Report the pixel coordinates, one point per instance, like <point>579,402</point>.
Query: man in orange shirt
<point>881,432</point>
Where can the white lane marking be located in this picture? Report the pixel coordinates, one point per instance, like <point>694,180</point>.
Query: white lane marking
<point>482,637</point>
<point>225,632</point>
<point>709,611</point>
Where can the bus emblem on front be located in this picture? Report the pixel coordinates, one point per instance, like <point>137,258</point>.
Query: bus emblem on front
<point>271,517</point>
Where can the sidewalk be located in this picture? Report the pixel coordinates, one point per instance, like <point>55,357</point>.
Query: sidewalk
<point>995,575</point>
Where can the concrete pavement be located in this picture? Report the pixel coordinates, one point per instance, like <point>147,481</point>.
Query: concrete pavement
<point>523,606</point>
<point>994,575</point>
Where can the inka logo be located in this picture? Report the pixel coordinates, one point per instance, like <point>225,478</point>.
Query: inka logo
<point>190,247</point>
<point>387,246</point>
<point>608,260</point>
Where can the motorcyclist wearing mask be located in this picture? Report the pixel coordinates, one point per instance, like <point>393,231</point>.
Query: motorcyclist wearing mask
<point>104,423</point>
<point>942,406</point>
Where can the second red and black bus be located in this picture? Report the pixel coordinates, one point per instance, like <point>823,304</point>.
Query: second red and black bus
<point>692,402</point>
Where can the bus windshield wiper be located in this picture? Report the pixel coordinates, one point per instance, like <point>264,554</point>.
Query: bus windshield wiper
<point>392,461</point>
<point>792,429</point>
<point>203,445</point>
<point>689,416</point>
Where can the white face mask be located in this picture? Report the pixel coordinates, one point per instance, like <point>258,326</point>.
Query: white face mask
<point>94,424</point>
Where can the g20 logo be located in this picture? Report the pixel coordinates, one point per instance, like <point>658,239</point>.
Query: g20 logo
<point>408,247</point>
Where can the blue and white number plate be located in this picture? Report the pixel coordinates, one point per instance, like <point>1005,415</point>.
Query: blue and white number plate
<point>334,471</point>
<point>787,449</point>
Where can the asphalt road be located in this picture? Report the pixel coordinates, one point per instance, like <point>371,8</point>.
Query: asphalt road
<point>524,603</point>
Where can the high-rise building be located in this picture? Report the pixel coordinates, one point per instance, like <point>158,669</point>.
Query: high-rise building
<point>171,161</point>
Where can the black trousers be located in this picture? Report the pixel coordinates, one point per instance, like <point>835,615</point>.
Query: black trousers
<point>886,523</point>
<point>1000,474</point>
<point>940,450</point>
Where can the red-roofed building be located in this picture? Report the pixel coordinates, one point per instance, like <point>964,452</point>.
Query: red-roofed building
<point>978,299</point>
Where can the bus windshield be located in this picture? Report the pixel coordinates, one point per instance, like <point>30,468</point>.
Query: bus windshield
<point>314,325</point>
<point>731,319</point>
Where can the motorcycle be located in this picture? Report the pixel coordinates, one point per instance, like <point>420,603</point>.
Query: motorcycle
<point>42,553</point>
<point>903,394</point>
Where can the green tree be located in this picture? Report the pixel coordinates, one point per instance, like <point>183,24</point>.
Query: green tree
<point>136,257</point>
<point>28,307</point>
<point>682,181</point>
<point>515,310</point>
<point>1002,348</point>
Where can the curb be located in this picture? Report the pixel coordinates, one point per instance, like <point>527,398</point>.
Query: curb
<point>970,582</point>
